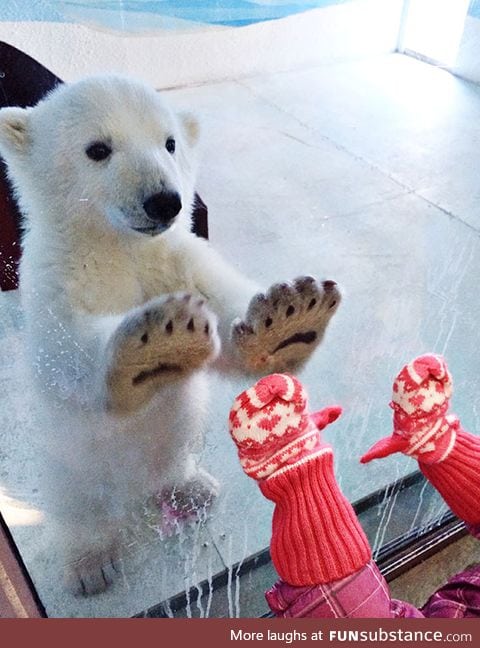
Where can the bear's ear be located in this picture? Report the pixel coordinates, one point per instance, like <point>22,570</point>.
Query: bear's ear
<point>191,127</point>
<point>14,130</point>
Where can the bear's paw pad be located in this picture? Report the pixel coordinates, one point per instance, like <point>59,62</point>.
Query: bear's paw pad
<point>166,339</point>
<point>283,326</point>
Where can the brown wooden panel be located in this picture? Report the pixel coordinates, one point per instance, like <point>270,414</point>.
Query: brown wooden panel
<point>17,600</point>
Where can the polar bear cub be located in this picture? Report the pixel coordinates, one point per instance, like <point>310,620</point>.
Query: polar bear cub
<point>125,308</point>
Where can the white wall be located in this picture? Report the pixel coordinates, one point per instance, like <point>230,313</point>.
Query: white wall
<point>434,28</point>
<point>445,31</point>
<point>165,59</point>
<point>467,64</point>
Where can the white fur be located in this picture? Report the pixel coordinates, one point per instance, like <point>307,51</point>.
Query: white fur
<point>84,271</point>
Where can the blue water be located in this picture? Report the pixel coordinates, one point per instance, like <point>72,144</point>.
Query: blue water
<point>474,9</point>
<point>233,12</point>
<point>215,12</point>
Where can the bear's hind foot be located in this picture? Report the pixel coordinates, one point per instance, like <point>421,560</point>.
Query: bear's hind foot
<point>188,503</point>
<point>94,572</point>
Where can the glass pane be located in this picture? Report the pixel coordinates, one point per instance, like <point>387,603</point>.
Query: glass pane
<point>321,153</point>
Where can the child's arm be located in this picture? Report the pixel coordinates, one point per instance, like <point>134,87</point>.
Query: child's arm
<point>447,455</point>
<point>318,546</point>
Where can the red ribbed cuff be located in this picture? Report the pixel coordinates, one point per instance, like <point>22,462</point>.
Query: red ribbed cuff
<point>457,478</point>
<point>316,536</point>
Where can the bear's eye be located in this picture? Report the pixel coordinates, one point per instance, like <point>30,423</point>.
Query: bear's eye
<point>98,151</point>
<point>170,145</point>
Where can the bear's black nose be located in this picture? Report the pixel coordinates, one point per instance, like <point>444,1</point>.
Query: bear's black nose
<point>163,207</point>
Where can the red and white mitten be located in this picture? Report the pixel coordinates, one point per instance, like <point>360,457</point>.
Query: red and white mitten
<point>316,537</point>
<point>448,456</point>
<point>421,426</point>
<point>271,426</point>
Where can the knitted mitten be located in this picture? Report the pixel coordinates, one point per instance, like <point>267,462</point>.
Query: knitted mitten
<point>448,455</point>
<point>316,537</point>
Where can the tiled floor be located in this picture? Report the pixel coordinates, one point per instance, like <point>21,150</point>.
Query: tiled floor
<point>366,173</point>
<point>419,583</point>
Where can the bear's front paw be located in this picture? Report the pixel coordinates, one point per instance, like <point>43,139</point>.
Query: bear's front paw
<point>158,343</point>
<point>283,327</point>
